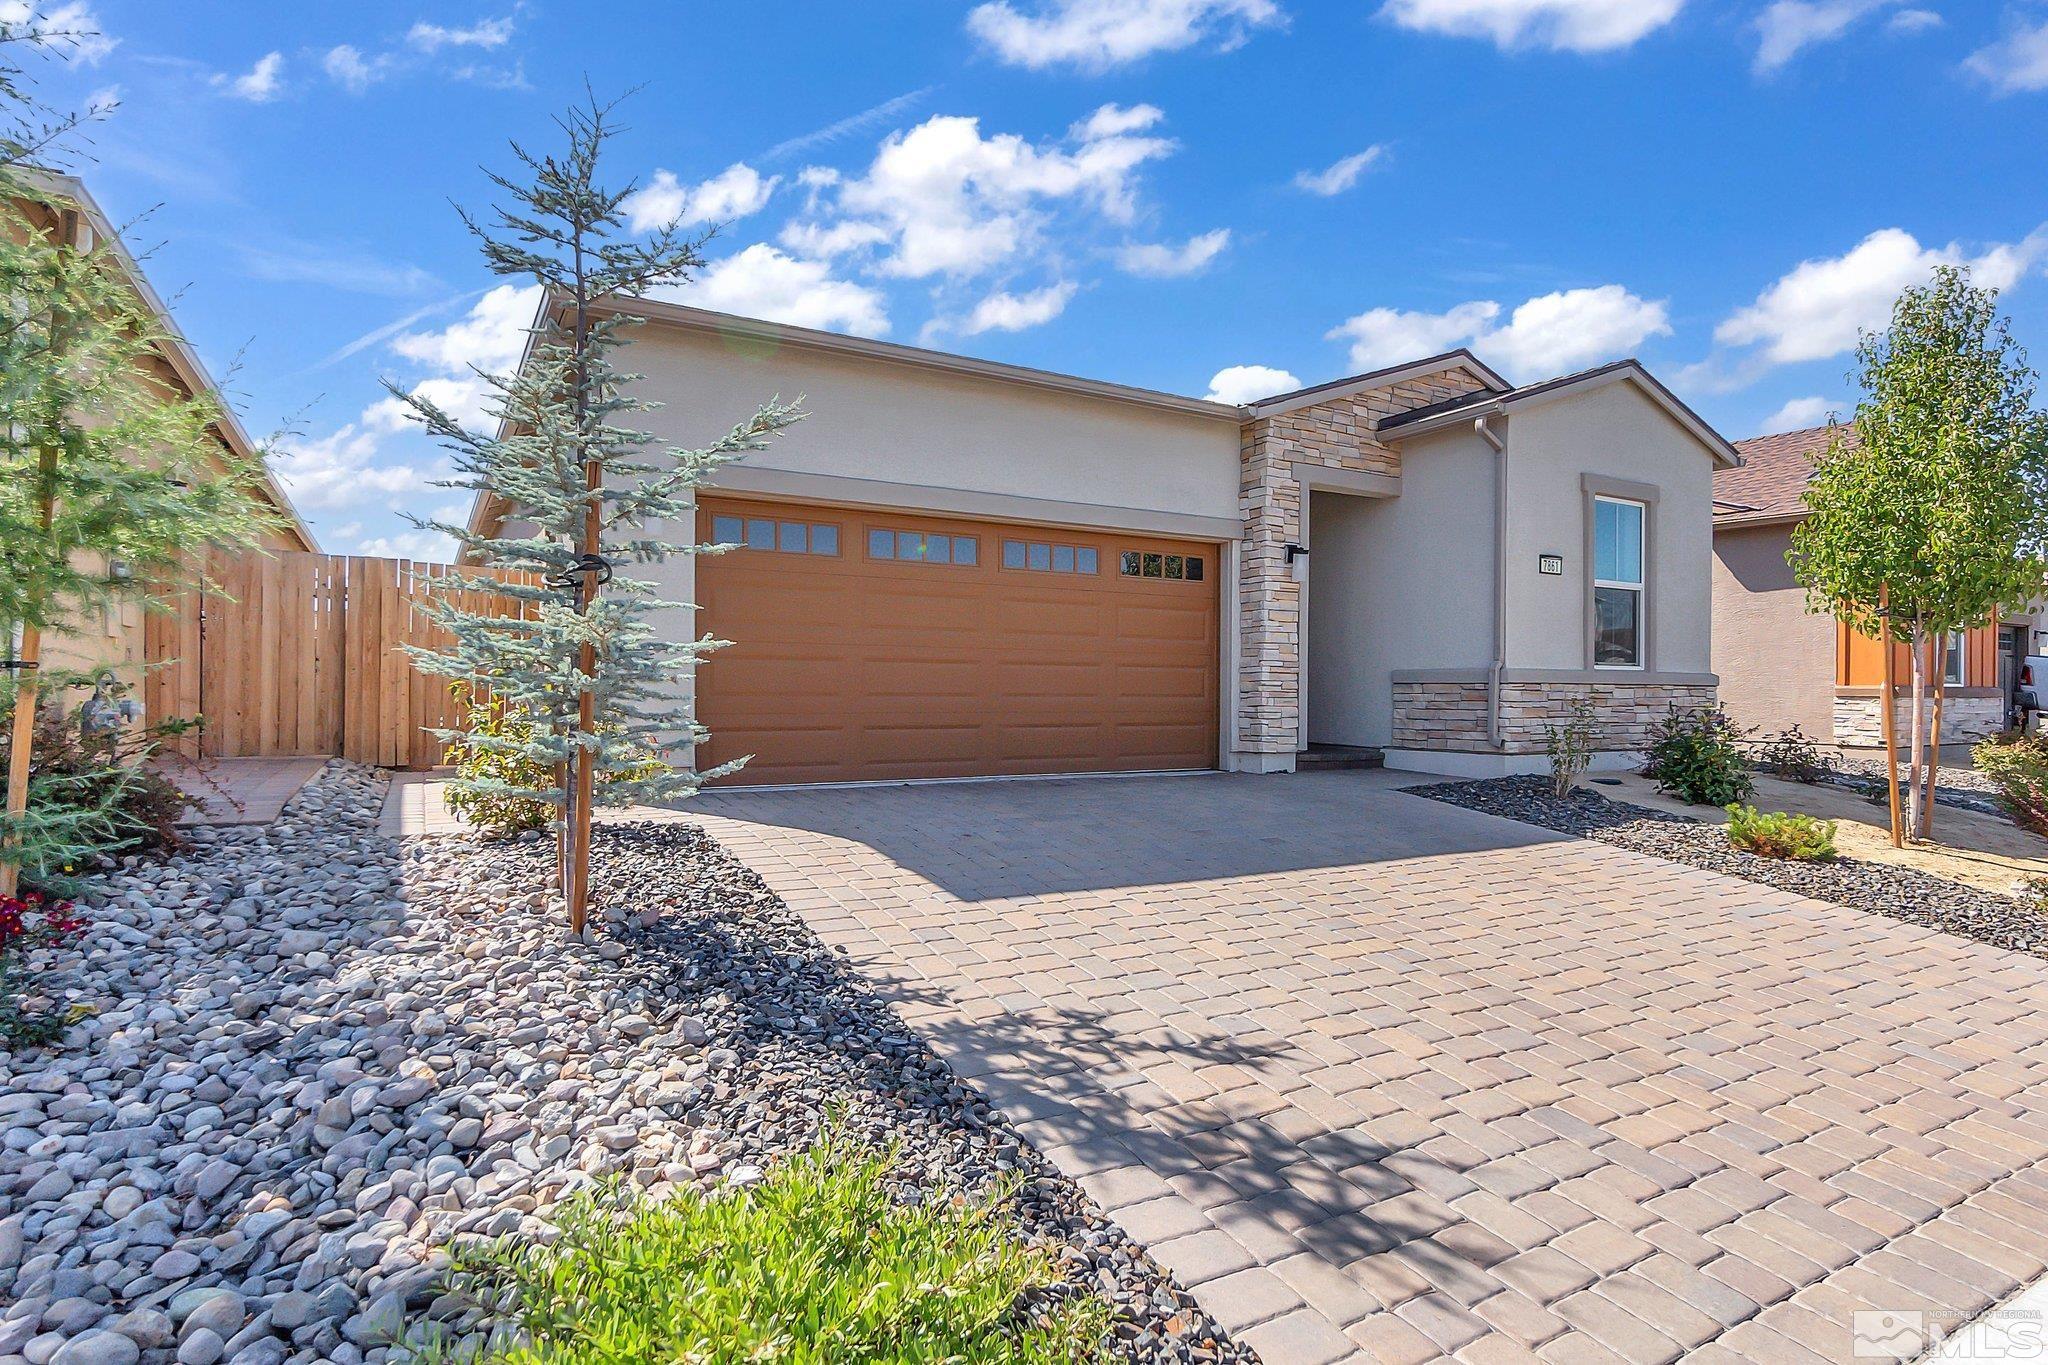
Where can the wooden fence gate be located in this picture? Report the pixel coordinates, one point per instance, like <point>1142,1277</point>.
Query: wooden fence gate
<point>305,654</point>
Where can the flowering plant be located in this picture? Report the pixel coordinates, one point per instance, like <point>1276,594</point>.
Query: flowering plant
<point>26,923</point>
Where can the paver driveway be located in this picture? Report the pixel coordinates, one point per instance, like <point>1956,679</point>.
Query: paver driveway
<point>1376,1075</point>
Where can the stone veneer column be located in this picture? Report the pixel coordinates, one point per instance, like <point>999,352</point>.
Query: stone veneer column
<point>1336,434</point>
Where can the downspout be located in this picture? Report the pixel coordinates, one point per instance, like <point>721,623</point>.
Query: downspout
<point>1483,425</point>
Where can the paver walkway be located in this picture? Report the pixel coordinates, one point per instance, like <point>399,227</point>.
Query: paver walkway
<point>1385,1079</point>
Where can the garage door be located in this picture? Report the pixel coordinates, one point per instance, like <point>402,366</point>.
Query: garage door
<point>871,645</point>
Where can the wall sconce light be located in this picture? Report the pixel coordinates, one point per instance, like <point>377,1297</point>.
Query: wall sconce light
<point>120,571</point>
<point>1295,552</point>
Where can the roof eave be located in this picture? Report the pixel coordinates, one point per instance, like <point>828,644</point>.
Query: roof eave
<point>661,313</point>
<point>177,351</point>
<point>1621,371</point>
<point>1461,359</point>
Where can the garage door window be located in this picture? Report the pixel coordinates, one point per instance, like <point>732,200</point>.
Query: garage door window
<point>1041,557</point>
<point>1143,564</point>
<point>766,533</point>
<point>920,547</point>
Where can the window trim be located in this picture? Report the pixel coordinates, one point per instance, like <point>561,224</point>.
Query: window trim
<point>1959,658</point>
<point>1597,489</point>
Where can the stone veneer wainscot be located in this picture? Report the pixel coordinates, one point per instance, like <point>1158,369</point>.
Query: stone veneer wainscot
<point>1967,715</point>
<point>1337,434</point>
<point>1451,715</point>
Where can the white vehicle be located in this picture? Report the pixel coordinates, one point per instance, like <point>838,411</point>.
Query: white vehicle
<point>2030,697</point>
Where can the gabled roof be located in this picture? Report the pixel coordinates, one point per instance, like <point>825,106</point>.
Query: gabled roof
<point>1460,359</point>
<point>1455,411</point>
<point>176,351</point>
<point>1771,484</point>
<point>659,313</point>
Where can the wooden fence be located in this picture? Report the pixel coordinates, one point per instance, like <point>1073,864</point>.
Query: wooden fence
<point>305,654</point>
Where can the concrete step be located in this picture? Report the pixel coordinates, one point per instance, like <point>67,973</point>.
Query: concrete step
<point>1326,757</point>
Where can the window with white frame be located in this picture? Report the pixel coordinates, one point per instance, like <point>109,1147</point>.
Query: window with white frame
<point>1953,663</point>
<point>1618,606</point>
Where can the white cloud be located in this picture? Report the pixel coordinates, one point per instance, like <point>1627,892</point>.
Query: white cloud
<point>486,33</point>
<point>490,337</point>
<point>2016,63</point>
<point>943,199</point>
<point>1004,312</point>
<point>1161,260</point>
<point>260,84</point>
<point>1096,35</point>
<point>734,192</point>
<point>1560,25</point>
<point>762,282</point>
<point>340,469</point>
<point>1817,308</point>
<point>1787,27</point>
<point>1799,414</point>
<point>1114,120</point>
<point>290,260</point>
<point>72,28</point>
<point>1575,328</point>
<point>1338,176</point>
<point>348,68</point>
<point>431,546</point>
<point>1387,336</point>
<point>1240,384</point>
<point>1914,21</point>
<point>1546,335</point>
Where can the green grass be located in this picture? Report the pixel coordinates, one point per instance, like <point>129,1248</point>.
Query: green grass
<point>815,1265</point>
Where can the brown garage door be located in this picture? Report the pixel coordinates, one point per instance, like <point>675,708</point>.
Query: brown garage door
<point>875,644</point>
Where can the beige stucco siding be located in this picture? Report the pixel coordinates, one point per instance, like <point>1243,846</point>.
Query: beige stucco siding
<point>1399,583</point>
<point>891,424</point>
<point>1775,658</point>
<point>1616,433</point>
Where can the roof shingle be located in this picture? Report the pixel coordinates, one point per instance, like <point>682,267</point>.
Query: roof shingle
<point>1771,480</point>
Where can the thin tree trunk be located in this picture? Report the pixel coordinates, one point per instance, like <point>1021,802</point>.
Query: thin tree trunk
<point>1918,724</point>
<point>21,739</point>
<point>1888,719</point>
<point>1926,830</point>
<point>576,885</point>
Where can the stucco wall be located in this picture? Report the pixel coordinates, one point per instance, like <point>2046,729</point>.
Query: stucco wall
<point>1776,660</point>
<point>880,421</point>
<point>1399,583</point>
<point>1618,433</point>
<point>879,425</point>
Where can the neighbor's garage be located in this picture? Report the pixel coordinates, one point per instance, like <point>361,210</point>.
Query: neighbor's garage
<point>874,644</point>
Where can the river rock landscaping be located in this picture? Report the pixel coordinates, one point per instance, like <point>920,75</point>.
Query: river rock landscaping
<point>319,1056</point>
<point>1896,892</point>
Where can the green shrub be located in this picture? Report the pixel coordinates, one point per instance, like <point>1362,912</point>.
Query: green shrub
<point>1781,834</point>
<point>1792,755</point>
<point>2018,764</point>
<point>1570,747</point>
<point>815,1265</point>
<point>483,757</point>
<point>89,797</point>
<point>1697,756</point>
<point>490,757</point>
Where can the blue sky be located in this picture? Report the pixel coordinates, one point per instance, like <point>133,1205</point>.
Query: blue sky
<point>1192,195</point>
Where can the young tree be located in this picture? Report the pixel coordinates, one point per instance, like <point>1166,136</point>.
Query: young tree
<point>1939,509</point>
<point>581,492</point>
<point>101,463</point>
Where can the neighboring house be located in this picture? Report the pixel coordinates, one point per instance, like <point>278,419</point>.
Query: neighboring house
<point>1781,665</point>
<point>114,638</point>
<point>956,567</point>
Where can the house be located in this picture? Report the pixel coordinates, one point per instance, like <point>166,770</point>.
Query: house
<point>1780,664</point>
<point>956,567</point>
<point>115,636</point>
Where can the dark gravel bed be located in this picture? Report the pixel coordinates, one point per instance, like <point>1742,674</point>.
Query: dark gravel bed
<point>816,1039</point>
<point>1894,892</point>
<point>1961,788</point>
